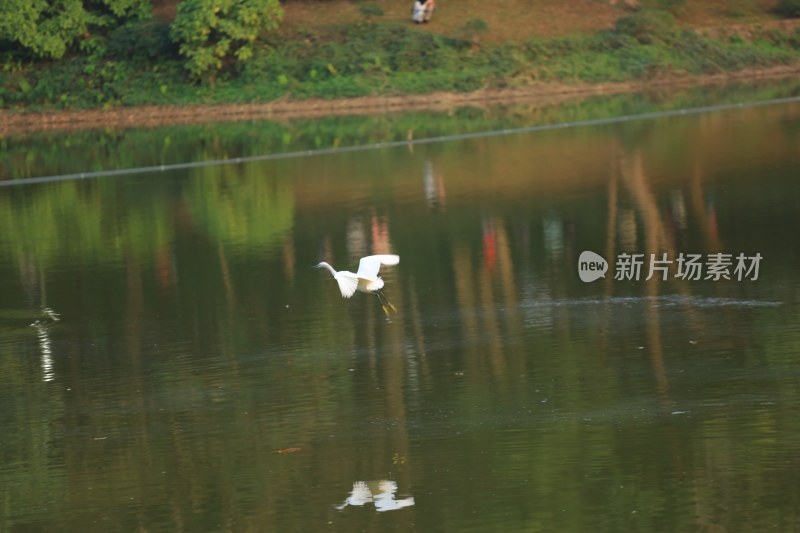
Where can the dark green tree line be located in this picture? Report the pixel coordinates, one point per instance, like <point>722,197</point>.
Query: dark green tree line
<point>49,28</point>
<point>208,33</point>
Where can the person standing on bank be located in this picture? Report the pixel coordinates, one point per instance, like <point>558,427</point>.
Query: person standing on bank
<point>422,10</point>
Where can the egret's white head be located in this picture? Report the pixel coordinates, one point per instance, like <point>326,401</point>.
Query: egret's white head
<point>325,265</point>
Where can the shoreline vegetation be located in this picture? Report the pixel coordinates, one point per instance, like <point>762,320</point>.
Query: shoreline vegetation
<point>17,122</point>
<point>136,75</point>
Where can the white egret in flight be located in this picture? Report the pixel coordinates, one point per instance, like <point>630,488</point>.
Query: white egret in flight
<point>366,279</point>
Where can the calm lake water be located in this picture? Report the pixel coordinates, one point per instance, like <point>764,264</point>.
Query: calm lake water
<point>170,362</point>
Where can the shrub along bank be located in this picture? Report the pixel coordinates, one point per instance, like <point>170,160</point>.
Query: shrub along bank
<point>138,63</point>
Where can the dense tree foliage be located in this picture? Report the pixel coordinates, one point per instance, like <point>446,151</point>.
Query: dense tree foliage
<point>789,8</point>
<point>47,28</point>
<point>212,31</point>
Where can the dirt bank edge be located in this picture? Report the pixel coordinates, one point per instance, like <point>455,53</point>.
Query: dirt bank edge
<point>15,122</point>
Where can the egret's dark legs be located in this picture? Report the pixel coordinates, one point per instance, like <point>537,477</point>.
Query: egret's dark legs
<point>386,305</point>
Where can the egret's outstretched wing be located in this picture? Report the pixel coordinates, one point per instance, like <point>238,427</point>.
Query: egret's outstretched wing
<point>369,266</point>
<point>348,283</point>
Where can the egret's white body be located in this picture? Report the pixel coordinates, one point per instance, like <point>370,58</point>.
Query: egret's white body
<point>366,279</point>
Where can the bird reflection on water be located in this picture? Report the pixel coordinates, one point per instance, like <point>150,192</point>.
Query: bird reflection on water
<point>381,493</point>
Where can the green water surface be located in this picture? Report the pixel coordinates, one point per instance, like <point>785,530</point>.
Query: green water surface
<point>170,362</point>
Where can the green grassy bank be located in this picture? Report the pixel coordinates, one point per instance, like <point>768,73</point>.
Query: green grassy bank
<point>137,64</point>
